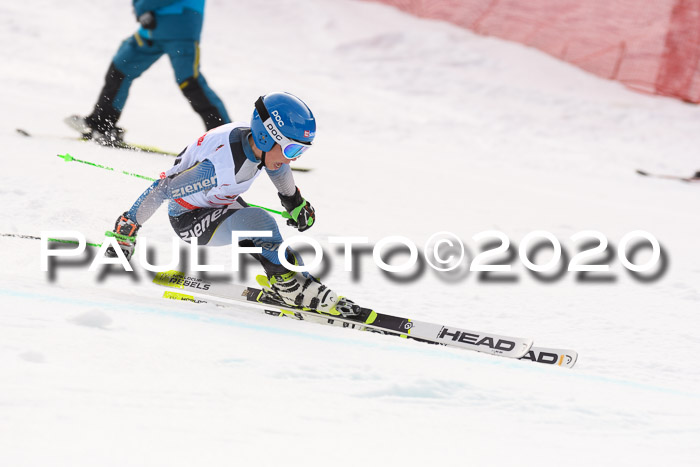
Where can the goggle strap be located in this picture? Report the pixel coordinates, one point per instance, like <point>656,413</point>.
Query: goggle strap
<point>262,110</point>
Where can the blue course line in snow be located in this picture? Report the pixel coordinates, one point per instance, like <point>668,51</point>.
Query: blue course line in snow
<point>179,314</point>
<point>431,351</point>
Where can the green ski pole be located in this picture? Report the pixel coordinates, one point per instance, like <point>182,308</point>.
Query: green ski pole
<point>56,240</point>
<point>68,158</point>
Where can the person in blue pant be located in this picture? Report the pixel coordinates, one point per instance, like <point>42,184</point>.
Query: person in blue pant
<point>171,27</point>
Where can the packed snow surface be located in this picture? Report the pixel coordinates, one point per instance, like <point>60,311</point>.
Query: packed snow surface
<point>422,128</point>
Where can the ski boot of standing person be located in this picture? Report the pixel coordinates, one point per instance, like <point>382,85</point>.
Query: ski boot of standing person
<point>104,132</point>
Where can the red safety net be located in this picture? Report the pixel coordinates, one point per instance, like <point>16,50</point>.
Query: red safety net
<point>650,46</point>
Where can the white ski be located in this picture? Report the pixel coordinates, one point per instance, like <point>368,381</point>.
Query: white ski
<point>198,290</point>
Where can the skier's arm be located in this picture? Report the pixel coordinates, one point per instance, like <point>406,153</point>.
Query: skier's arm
<point>193,180</point>
<point>149,201</point>
<point>283,179</point>
<point>199,177</point>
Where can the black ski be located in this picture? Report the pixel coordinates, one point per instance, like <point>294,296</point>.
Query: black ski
<point>693,178</point>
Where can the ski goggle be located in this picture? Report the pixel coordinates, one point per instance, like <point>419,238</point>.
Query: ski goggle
<point>291,149</point>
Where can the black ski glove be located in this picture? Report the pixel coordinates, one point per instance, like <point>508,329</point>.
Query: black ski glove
<point>125,231</point>
<point>147,20</point>
<point>300,213</point>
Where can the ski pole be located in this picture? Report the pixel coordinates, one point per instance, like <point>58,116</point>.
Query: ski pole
<point>68,158</point>
<point>57,240</point>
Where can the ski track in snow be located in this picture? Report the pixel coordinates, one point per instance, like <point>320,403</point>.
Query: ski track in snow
<point>423,127</point>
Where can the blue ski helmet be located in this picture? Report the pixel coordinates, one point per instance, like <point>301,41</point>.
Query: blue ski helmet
<point>292,116</point>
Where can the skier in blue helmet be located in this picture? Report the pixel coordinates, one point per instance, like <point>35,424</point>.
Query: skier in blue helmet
<point>204,189</point>
<point>291,124</point>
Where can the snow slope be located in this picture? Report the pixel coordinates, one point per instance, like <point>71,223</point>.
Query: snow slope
<point>423,127</point>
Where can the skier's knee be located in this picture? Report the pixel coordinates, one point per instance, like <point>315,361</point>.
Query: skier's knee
<point>260,219</point>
